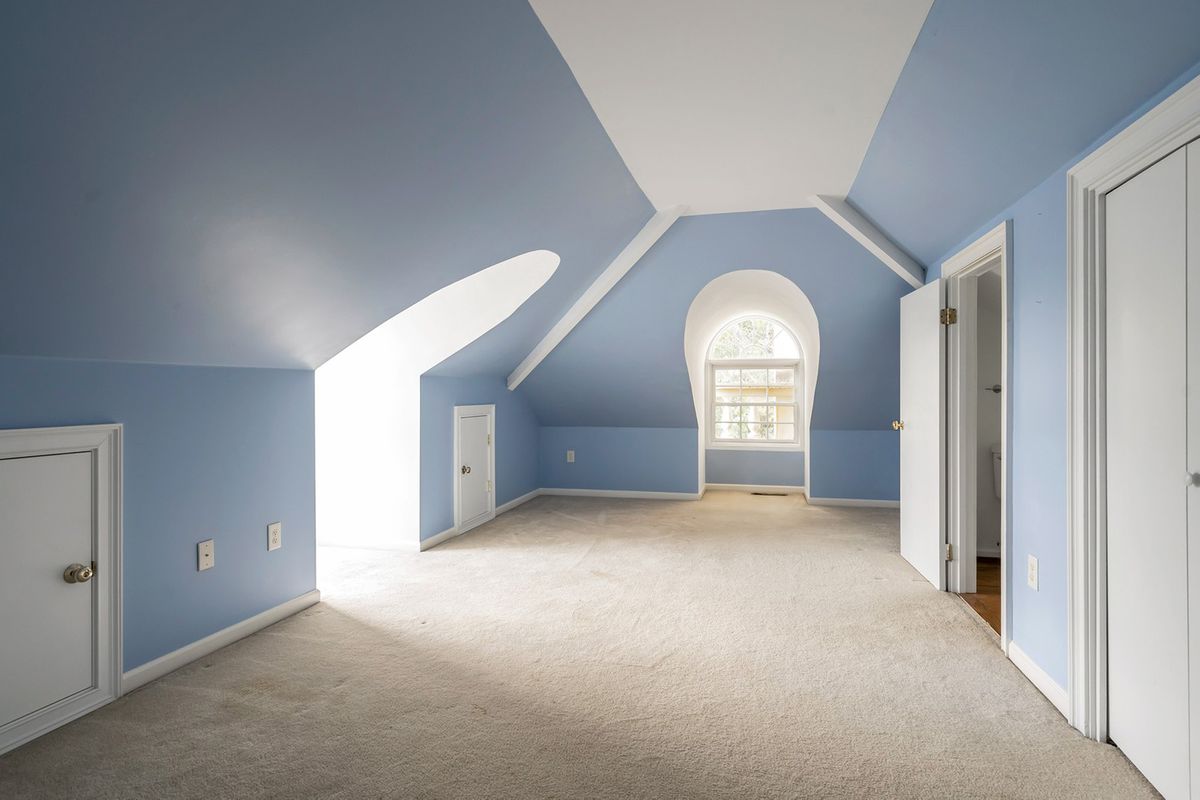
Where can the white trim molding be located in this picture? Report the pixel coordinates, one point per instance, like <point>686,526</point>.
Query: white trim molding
<point>848,218</point>
<point>104,444</point>
<point>853,502</point>
<point>1038,677</point>
<point>650,233</point>
<point>989,253</point>
<point>152,670</point>
<point>755,487</point>
<point>1168,126</point>
<point>450,533</point>
<point>628,495</point>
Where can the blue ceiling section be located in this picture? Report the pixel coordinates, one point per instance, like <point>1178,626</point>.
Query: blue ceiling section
<point>998,95</point>
<point>623,365</point>
<point>260,183</point>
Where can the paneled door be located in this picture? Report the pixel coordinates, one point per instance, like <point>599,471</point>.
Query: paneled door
<point>475,501</point>
<point>1148,474</point>
<point>922,427</point>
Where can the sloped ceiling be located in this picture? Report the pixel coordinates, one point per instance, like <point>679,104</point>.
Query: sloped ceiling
<point>737,106</point>
<point>996,96</point>
<point>260,183</point>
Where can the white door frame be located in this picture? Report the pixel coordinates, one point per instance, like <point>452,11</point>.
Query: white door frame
<point>962,386</point>
<point>1164,129</point>
<point>103,443</point>
<point>475,411</point>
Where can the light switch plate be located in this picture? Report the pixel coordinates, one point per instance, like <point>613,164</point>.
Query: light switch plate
<point>1031,573</point>
<point>205,555</point>
<point>570,456</point>
<point>275,536</point>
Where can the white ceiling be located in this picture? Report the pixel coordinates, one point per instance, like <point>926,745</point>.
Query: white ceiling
<point>737,105</point>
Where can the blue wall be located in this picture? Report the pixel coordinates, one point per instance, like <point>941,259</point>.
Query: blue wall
<point>516,444</point>
<point>997,95</point>
<point>763,467</point>
<point>1038,460</point>
<point>630,459</point>
<point>856,464</point>
<point>623,365</point>
<point>281,176</point>
<point>209,453</point>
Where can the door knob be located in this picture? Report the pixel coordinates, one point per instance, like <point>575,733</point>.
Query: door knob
<point>465,470</point>
<point>78,573</point>
<point>1194,479</point>
<point>897,424</point>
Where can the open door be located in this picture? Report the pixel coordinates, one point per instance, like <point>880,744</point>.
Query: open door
<point>922,432</point>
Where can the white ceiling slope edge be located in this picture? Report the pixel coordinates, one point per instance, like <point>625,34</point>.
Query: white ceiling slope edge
<point>744,106</point>
<point>846,217</point>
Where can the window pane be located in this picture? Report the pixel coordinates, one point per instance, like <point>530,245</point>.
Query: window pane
<point>785,433</point>
<point>783,394</point>
<point>727,395</point>
<point>754,337</point>
<point>725,413</point>
<point>783,377</point>
<point>785,414</point>
<point>727,377</point>
<point>754,377</point>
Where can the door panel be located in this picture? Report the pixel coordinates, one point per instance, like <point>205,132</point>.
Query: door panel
<point>922,443</point>
<point>1193,446</point>
<point>1146,413</point>
<point>46,624</point>
<point>473,486</point>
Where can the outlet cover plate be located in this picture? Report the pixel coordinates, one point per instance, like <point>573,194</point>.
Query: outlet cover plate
<point>275,536</point>
<point>206,555</point>
<point>570,456</point>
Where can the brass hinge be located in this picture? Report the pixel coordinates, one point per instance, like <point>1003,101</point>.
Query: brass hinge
<point>489,486</point>
<point>949,552</point>
<point>949,316</point>
<point>489,438</point>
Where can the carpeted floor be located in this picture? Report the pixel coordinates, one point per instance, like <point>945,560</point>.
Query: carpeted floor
<point>736,647</point>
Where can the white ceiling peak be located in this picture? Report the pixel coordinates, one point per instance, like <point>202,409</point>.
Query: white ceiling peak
<point>743,106</point>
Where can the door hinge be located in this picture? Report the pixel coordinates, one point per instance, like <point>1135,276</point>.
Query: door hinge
<point>949,316</point>
<point>949,552</point>
<point>489,438</point>
<point>489,487</point>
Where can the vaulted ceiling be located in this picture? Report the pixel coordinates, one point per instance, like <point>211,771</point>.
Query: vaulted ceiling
<point>740,106</point>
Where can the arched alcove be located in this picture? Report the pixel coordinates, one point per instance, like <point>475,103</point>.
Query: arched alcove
<point>740,294</point>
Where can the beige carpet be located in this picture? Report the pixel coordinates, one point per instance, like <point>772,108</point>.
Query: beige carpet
<point>736,647</point>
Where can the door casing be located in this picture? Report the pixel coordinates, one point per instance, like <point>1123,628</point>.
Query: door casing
<point>103,443</point>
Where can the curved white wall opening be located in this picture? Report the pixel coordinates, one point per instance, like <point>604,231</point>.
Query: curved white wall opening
<point>745,293</point>
<point>368,402</point>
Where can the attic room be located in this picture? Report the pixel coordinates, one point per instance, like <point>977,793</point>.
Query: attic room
<point>543,398</point>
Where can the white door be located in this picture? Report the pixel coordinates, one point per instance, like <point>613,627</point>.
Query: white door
<point>1147,466</point>
<point>922,445</point>
<point>47,639</point>
<point>474,470</point>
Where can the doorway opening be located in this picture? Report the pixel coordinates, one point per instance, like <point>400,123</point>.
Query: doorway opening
<point>977,369</point>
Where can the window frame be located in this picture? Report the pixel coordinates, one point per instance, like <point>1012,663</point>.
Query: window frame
<point>796,364</point>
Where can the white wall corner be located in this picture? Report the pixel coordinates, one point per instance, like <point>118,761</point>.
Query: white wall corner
<point>650,233</point>
<point>848,218</point>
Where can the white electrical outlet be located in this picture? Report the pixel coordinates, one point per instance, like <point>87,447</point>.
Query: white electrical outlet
<point>570,456</point>
<point>205,555</point>
<point>1031,574</point>
<point>275,536</point>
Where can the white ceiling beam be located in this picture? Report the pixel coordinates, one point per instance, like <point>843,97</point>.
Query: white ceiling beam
<point>625,260</point>
<point>846,217</point>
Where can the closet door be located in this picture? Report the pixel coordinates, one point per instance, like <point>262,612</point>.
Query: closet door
<point>1147,465</point>
<point>1193,445</point>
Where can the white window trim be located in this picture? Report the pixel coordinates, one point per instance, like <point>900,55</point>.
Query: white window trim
<point>796,444</point>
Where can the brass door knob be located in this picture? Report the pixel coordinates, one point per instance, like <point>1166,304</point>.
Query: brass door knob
<point>466,470</point>
<point>78,573</point>
<point>897,424</point>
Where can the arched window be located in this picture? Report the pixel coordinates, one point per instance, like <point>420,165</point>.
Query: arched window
<point>754,370</point>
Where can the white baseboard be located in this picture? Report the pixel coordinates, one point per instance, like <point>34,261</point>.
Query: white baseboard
<point>140,676</point>
<point>846,501</point>
<point>1039,678</point>
<point>450,533</point>
<point>525,498</point>
<point>756,487</point>
<point>629,495</point>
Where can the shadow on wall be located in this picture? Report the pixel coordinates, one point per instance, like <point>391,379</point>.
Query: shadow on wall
<point>748,292</point>
<point>368,402</point>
